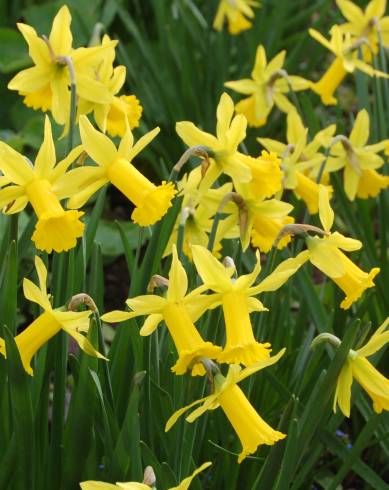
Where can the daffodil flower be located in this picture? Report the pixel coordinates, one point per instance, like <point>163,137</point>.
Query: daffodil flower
<point>199,206</point>
<point>115,166</point>
<point>49,323</point>
<point>43,185</point>
<point>113,117</point>
<point>346,61</point>
<point>326,254</point>
<point>261,220</point>
<point>237,13</point>
<point>267,87</point>
<point>251,429</point>
<point>46,84</point>
<point>299,158</point>
<point>266,176</point>
<point>366,23</point>
<point>99,485</point>
<point>359,160</point>
<point>224,157</point>
<point>236,298</point>
<point>179,311</point>
<point>359,368</point>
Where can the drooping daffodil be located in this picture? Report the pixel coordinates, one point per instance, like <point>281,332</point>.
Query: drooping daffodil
<point>115,165</point>
<point>346,61</point>
<point>237,13</point>
<point>46,85</point>
<point>325,253</point>
<point>222,148</point>
<point>44,185</point>
<point>237,299</point>
<point>49,323</point>
<point>268,86</point>
<point>179,311</point>
<point>251,429</point>
<point>359,160</point>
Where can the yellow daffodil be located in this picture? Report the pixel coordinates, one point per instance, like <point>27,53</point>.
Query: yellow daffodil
<point>326,254</point>
<point>113,117</point>
<point>115,166</point>
<point>223,148</point>
<point>301,160</point>
<point>359,368</point>
<point>179,311</point>
<point>199,206</point>
<point>367,23</point>
<point>266,175</point>
<point>267,87</point>
<point>237,13</point>
<point>49,323</point>
<point>46,84</point>
<point>236,298</point>
<point>346,61</point>
<point>261,220</point>
<point>43,185</point>
<point>99,485</point>
<point>251,429</point>
<point>359,160</point>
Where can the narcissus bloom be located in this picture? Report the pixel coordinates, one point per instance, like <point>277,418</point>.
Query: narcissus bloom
<point>223,148</point>
<point>326,254</point>
<point>99,485</point>
<point>267,86</point>
<point>367,23</point>
<point>359,160</point>
<point>179,311</point>
<point>46,84</point>
<point>237,13</point>
<point>251,429</point>
<point>359,368</point>
<point>300,159</point>
<point>115,166</point>
<point>236,298</point>
<point>199,206</point>
<point>121,112</point>
<point>43,185</point>
<point>49,323</point>
<point>346,61</point>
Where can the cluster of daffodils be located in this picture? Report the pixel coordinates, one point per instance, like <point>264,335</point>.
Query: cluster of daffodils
<point>229,195</point>
<point>58,69</point>
<point>179,310</point>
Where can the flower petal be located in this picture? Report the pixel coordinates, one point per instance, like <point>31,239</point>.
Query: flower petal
<point>98,146</point>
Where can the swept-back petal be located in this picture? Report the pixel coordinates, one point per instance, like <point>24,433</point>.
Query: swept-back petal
<point>146,304</point>
<point>33,293</point>
<point>142,143</point>
<point>326,213</point>
<point>61,36</point>
<point>212,272</point>
<point>193,136</point>
<point>360,132</point>
<point>224,113</point>
<point>178,280</point>
<point>14,165</point>
<point>343,389</point>
<point>98,146</point>
<point>46,158</point>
